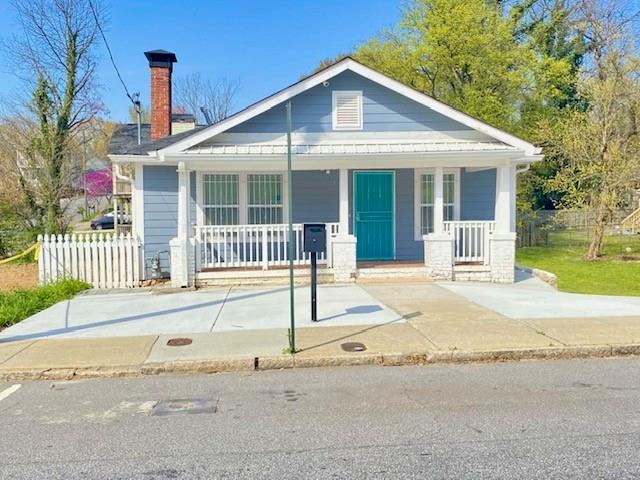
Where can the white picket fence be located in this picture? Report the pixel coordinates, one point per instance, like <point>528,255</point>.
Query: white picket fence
<point>103,260</point>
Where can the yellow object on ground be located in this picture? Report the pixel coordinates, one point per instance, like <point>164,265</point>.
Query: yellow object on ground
<point>35,246</point>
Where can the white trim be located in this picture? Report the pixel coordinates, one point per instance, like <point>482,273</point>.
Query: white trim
<point>326,74</point>
<point>137,201</point>
<point>243,193</point>
<point>417,200</point>
<point>334,109</point>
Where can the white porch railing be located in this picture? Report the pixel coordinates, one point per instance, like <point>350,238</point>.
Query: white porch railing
<point>471,240</point>
<point>253,246</point>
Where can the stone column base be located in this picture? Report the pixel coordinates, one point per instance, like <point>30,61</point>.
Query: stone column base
<point>438,255</point>
<point>343,258</point>
<point>180,261</point>
<point>502,251</point>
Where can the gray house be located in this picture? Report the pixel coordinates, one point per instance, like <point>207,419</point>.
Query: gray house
<point>405,184</point>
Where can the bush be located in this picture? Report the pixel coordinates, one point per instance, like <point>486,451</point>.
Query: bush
<point>20,304</point>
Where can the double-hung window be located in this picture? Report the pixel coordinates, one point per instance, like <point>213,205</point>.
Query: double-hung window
<point>265,198</point>
<point>425,195</point>
<point>220,199</point>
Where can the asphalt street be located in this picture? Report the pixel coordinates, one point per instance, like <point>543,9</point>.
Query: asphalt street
<point>556,419</point>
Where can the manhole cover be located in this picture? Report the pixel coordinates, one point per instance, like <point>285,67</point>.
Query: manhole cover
<point>179,342</point>
<point>353,347</point>
<point>170,407</point>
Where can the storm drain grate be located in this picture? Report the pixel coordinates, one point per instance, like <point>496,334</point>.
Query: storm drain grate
<point>353,347</point>
<point>171,407</point>
<point>179,342</point>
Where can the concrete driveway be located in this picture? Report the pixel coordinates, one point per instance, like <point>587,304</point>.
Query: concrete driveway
<point>211,310</point>
<point>530,297</point>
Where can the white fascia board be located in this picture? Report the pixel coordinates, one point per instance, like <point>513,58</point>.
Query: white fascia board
<point>145,159</point>
<point>444,109</point>
<point>258,108</point>
<point>328,73</point>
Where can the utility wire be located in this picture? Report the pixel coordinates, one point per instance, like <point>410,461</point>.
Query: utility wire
<point>113,62</point>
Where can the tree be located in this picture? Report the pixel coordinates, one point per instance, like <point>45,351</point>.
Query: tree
<point>194,91</point>
<point>54,55</point>
<point>468,54</point>
<point>601,142</point>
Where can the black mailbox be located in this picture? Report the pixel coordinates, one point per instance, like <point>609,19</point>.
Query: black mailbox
<point>315,237</point>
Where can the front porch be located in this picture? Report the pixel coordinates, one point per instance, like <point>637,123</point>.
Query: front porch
<point>422,229</point>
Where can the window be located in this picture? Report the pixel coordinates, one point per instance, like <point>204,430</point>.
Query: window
<point>449,196</point>
<point>220,200</point>
<point>265,203</point>
<point>347,110</point>
<point>425,201</point>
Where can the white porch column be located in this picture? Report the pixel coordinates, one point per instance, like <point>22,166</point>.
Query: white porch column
<point>505,199</point>
<point>180,258</point>
<point>503,241</point>
<point>438,201</point>
<point>343,246</point>
<point>344,201</point>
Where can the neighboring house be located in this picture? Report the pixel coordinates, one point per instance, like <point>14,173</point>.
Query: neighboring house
<point>405,183</point>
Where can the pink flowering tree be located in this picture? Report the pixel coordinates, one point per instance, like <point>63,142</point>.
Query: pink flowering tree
<point>99,184</point>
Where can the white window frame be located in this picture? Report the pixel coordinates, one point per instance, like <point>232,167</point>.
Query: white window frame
<point>243,193</point>
<point>202,204</point>
<point>334,109</point>
<point>417,176</point>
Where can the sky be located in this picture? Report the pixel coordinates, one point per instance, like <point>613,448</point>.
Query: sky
<point>263,44</point>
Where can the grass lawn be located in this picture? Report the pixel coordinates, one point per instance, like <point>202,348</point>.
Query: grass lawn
<point>609,275</point>
<point>19,304</point>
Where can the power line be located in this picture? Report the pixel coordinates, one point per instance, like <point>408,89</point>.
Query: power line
<point>136,102</point>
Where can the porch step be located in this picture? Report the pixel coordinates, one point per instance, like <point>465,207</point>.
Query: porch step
<point>390,273</point>
<point>260,277</point>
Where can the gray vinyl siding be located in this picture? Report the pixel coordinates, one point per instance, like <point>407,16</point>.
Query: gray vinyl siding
<point>477,195</point>
<point>316,196</point>
<point>406,246</point>
<point>161,210</point>
<point>383,111</point>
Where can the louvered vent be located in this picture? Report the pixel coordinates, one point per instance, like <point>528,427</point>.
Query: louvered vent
<point>347,110</point>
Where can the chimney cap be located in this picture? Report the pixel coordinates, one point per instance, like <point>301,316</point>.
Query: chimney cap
<point>160,58</point>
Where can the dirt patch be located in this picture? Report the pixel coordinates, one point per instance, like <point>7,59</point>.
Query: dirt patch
<point>18,275</point>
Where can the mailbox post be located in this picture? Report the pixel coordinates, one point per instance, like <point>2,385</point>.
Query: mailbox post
<point>315,241</point>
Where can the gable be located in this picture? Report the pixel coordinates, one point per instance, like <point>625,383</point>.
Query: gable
<point>383,111</point>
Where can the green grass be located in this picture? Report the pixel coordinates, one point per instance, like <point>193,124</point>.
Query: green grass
<point>20,304</point>
<point>610,275</point>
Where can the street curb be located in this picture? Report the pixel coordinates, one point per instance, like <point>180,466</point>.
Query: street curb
<point>306,360</point>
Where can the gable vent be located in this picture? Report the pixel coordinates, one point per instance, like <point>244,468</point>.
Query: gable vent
<point>347,110</point>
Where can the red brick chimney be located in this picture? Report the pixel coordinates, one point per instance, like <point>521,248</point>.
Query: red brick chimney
<point>161,65</point>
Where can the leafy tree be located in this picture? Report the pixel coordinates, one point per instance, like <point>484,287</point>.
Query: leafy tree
<point>54,56</point>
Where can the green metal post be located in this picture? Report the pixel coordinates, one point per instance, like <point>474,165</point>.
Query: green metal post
<point>292,335</point>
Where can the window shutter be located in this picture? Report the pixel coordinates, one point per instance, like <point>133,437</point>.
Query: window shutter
<point>347,110</point>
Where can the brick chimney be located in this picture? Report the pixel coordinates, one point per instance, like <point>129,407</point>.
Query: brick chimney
<point>161,65</point>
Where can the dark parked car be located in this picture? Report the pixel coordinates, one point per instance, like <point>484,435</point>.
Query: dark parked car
<point>106,222</point>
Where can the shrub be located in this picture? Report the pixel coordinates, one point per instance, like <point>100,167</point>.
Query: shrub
<point>20,304</point>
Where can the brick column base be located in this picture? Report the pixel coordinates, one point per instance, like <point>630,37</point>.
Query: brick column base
<point>343,257</point>
<point>180,262</point>
<point>502,250</point>
<point>438,255</point>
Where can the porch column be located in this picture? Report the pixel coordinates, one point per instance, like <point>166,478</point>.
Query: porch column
<point>505,199</point>
<point>343,246</point>
<point>180,258</point>
<point>503,240</point>
<point>438,201</point>
<point>344,201</point>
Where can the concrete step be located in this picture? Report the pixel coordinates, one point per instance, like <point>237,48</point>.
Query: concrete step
<point>391,273</point>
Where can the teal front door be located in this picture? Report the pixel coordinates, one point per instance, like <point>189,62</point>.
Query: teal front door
<point>373,215</point>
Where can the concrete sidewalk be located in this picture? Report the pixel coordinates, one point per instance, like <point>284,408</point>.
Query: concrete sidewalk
<point>432,324</point>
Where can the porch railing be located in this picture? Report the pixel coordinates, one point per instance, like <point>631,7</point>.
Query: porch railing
<point>253,246</point>
<point>471,240</point>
